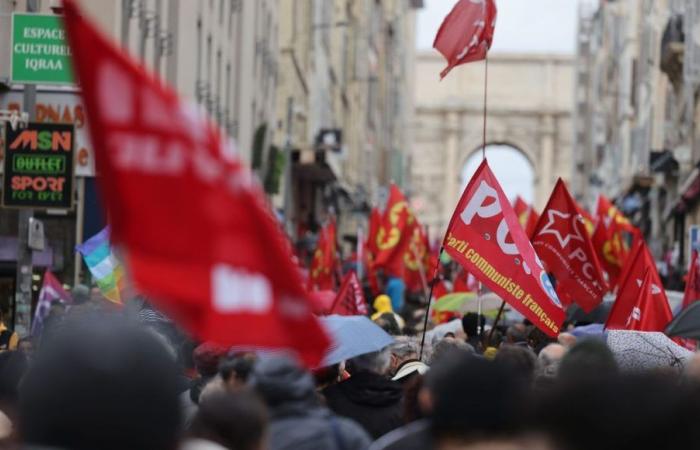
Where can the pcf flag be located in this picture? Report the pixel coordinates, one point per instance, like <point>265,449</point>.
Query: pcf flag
<point>197,235</point>
<point>564,246</point>
<point>51,291</point>
<point>466,33</point>
<point>104,266</point>
<point>640,304</point>
<point>484,236</point>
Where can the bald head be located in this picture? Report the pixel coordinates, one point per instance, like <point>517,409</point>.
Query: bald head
<point>549,358</point>
<point>568,340</point>
<point>692,368</point>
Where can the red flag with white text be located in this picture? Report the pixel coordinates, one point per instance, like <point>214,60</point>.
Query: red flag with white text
<point>325,259</point>
<point>466,33</point>
<point>484,236</point>
<point>192,223</point>
<point>565,248</point>
<point>350,300</point>
<point>641,302</point>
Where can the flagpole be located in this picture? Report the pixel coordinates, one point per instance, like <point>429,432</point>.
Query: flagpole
<point>495,322</point>
<point>427,309</point>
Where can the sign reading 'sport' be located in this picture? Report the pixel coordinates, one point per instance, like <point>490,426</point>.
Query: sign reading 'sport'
<point>39,166</point>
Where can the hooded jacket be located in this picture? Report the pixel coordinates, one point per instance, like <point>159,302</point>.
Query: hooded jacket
<point>373,401</point>
<point>297,418</point>
<point>382,305</point>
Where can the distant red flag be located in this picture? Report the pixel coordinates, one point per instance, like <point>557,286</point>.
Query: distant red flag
<point>692,284</point>
<point>417,260</point>
<point>521,210</point>
<point>562,243</point>
<point>466,33</point>
<point>325,260</point>
<point>464,282</point>
<point>192,223</point>
<point>610,239</point>
<point>350,300</point>
<point>394,235</point>
<point>532,218</point>
<point>484,236</point>
<point>641,302</point>
<point>375,222</point>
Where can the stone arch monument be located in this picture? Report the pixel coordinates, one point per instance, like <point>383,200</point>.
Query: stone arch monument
<point>530,101</point>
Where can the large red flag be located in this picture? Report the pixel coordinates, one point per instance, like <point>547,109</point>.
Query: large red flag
<point>394,235</point>
<point>565,248</point>
<point>610,239</point>
<point>466,33</point>
<point>484,236</point>
<point>191,221</point>
<point>641,304</point>
<point>325,260</point>
<point>692,284</point>
<point>350,300</point>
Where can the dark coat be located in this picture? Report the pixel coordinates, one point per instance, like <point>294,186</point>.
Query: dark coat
<point>414,436</point>
<point>298,421</point>
<point>371,400</point>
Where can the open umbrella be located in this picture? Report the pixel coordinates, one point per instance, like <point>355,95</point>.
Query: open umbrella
<point>352,336</point>
<point>467,302</point>
<point>687,323</point>
<point>643,350</point>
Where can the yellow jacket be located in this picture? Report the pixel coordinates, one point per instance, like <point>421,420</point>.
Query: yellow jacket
<point>382,305</point>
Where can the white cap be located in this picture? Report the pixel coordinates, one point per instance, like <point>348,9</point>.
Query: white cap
<point>410,368</point>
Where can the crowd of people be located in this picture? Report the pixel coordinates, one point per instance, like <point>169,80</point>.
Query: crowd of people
<point>129,379</point>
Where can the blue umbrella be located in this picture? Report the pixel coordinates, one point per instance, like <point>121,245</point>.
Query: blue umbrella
<point>352,336</point>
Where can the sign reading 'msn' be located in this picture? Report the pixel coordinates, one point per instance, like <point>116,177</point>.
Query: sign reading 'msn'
<point>39,166</point>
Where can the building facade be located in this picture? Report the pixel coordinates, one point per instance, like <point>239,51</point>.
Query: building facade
<point>636,103</point>
<point>344,108</point>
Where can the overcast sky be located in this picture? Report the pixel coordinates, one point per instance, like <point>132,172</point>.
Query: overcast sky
<point>522,25</point>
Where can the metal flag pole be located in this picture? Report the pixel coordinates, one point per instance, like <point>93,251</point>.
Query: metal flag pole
<point>427,309</point>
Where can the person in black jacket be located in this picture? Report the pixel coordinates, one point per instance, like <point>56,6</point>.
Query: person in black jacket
<point>369,397</point>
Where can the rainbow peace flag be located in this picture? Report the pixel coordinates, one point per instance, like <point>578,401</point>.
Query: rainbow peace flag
<point>104,266</point>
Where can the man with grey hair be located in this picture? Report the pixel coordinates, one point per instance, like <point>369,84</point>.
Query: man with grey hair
<point>403,349</point>
<point>369,397</point>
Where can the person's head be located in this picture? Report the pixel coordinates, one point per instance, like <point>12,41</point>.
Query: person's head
<point>471,323</point>
<point>588,359</point>
<point>382,304</point>
<point>207,357</point>
<point>101,384</point>
<point>463,413</point>
<point>692,368</point>
<point>549,359</point>
<point>80,294</point>
<point>519,360</point>
<point>516,334</point>
<point>280,380</point>
<point>387,321</point>
<point>403,349</point>
<point>375,362</point>
<point>57,309</point>
<point>235,369</point>
<point>233,420</point>
<point>26,346</point>
<point>448,347</point>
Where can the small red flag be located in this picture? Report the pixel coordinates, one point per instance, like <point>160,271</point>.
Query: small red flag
<point>350,300</point>
<point>521,210</point>
<point>193,225</point>
<point>395,234</point>
<point>532,218</point>
<point>692,284</point>
<point>484,236</point>
<point>610,239</point>
<point>641,302</point>
<point>565,248</point>
<point>417,260</point>
<point>325,260</point>
<point>466,33</point>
